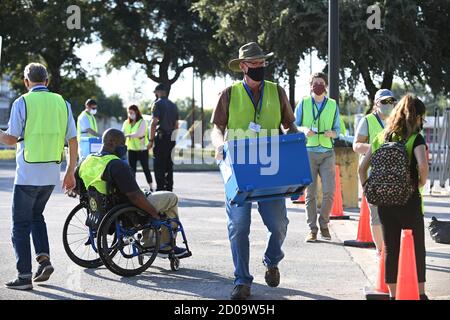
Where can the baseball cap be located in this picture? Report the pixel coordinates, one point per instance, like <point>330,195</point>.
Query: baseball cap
<point>90,102</point>
<point>383,94</point>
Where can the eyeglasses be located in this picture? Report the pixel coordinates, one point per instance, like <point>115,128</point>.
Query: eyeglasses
<point>388,101</point>
<point>253,64</point>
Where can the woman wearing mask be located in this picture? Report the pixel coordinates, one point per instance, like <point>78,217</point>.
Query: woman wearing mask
<point>368,128</point>
<point>136,133</point>
<point>404,123</point>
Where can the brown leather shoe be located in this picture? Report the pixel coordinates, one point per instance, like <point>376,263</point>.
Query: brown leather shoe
<point>272,276</point>
<point>325,234</point>
<point>312,237</point>
<point>240,292</point>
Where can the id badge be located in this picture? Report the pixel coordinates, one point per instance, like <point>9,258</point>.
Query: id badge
<point>254,127</point>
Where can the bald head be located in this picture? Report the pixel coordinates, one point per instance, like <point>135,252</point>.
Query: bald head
<point>113,138</point>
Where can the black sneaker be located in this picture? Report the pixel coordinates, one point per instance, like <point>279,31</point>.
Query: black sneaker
<point>240,292</point>
<point>272,276</point>
<point>178,252</point>
<point>44,271</point>
<point>19,284</point>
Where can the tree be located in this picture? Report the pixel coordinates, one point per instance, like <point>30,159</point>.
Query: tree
<point>43,36</point>
<point>164,37</point>
<point>77,91</point>
<point>409,45</point>
<point>286,29</point>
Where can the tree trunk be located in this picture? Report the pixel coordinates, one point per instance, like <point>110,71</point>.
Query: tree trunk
<point>292,74</point>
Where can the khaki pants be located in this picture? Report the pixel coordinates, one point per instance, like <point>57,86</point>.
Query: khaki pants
<point>164,202</point>
<point>323,165</point>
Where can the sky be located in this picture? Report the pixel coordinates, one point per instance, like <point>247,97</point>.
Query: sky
<point>133,86</point>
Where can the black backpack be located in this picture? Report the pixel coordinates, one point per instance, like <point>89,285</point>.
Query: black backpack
<point>439,230</point>
<point>389,183</point>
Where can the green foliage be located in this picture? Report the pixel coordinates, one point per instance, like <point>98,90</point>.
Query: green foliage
<point>165,37</point>
<point>36,30</point>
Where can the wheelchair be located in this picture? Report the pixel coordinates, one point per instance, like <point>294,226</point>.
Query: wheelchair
<point>120,236</point>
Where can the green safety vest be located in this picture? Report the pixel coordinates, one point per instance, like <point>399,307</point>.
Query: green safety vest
<point>373,127</point>
<point>92,124</point>
<point>323,123</point>
<point>135,144</point>
<point>45,127</point>
<point>92,169</point>
<point>242,112</point>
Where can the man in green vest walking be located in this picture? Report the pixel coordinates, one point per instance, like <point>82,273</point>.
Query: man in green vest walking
<point>250,108</point>
<point>318,118</point>
<point>368,128</point>
<point>40,124</point>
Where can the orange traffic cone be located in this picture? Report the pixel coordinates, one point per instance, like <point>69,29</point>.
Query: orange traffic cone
<point>300,199</point>
<point>364,237</point>
<point>381,291</point>
<point>407,282</point>
<point>337,211</point>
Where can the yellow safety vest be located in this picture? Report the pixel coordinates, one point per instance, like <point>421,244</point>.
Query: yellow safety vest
<point>45,127</point>
<point>135,144</point>
<point>92,123</point>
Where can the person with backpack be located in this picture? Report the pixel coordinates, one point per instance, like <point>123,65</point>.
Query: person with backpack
<point>368,128</point>
<point>399,167</point>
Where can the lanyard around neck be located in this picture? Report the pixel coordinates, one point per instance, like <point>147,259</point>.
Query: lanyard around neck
<point>319,111</point>
<point>379,119</point>
<point>255,104</point>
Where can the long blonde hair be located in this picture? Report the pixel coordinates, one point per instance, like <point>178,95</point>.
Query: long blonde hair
<point>403,119</point>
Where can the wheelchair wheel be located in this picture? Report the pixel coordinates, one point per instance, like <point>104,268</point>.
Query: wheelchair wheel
<point>76,239</point>
<point>133,246</point>
<point>174,264</point>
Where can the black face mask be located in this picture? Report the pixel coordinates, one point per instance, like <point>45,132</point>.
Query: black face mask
<point>256,74</point>
<point>121,151</point>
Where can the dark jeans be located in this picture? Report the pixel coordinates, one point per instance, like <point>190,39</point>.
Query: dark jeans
<point>393,220</point>
<point>163,164</point>
<point>28,205</point>
<point>142,156</point>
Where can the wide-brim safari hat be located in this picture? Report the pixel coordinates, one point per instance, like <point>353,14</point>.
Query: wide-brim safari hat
<point>249,51</point>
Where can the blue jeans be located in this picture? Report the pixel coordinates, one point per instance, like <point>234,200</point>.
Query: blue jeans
<point>274,216</point>
<point>28,205</point>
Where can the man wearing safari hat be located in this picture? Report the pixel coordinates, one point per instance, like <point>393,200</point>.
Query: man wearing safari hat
<point>253,107</point>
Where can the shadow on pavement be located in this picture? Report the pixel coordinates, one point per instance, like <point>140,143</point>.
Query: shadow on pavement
<point>184,202</point>
<point>438,268</point>
<point>201,284</point>
<point>440,255</point>
<point>50,295</point>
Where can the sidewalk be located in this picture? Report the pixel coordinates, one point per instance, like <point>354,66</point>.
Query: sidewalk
<point>438,255</point>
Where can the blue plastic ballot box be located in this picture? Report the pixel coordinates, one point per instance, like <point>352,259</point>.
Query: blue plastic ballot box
<point>258,169</point>
<point>89,145</point>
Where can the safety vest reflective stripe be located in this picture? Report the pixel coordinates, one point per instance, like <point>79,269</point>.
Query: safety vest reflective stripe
<point>45,127</point>
<point>92,124</point>
<point>323,123</point>
<point>92,169</point>
<point>242,112</point>
<point>136,144</point>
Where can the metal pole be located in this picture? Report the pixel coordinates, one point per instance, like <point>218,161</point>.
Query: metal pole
<point>193,111</point>
<point>201,105</point>
<point>333,48</point>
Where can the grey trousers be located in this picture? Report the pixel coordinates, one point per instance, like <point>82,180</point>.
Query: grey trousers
<point>323,165</point>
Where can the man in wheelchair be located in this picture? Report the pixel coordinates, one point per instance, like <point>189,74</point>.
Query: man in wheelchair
<point>105,181</point>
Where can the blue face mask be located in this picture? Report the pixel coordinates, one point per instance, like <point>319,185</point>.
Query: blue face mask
<point>121,151</point>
